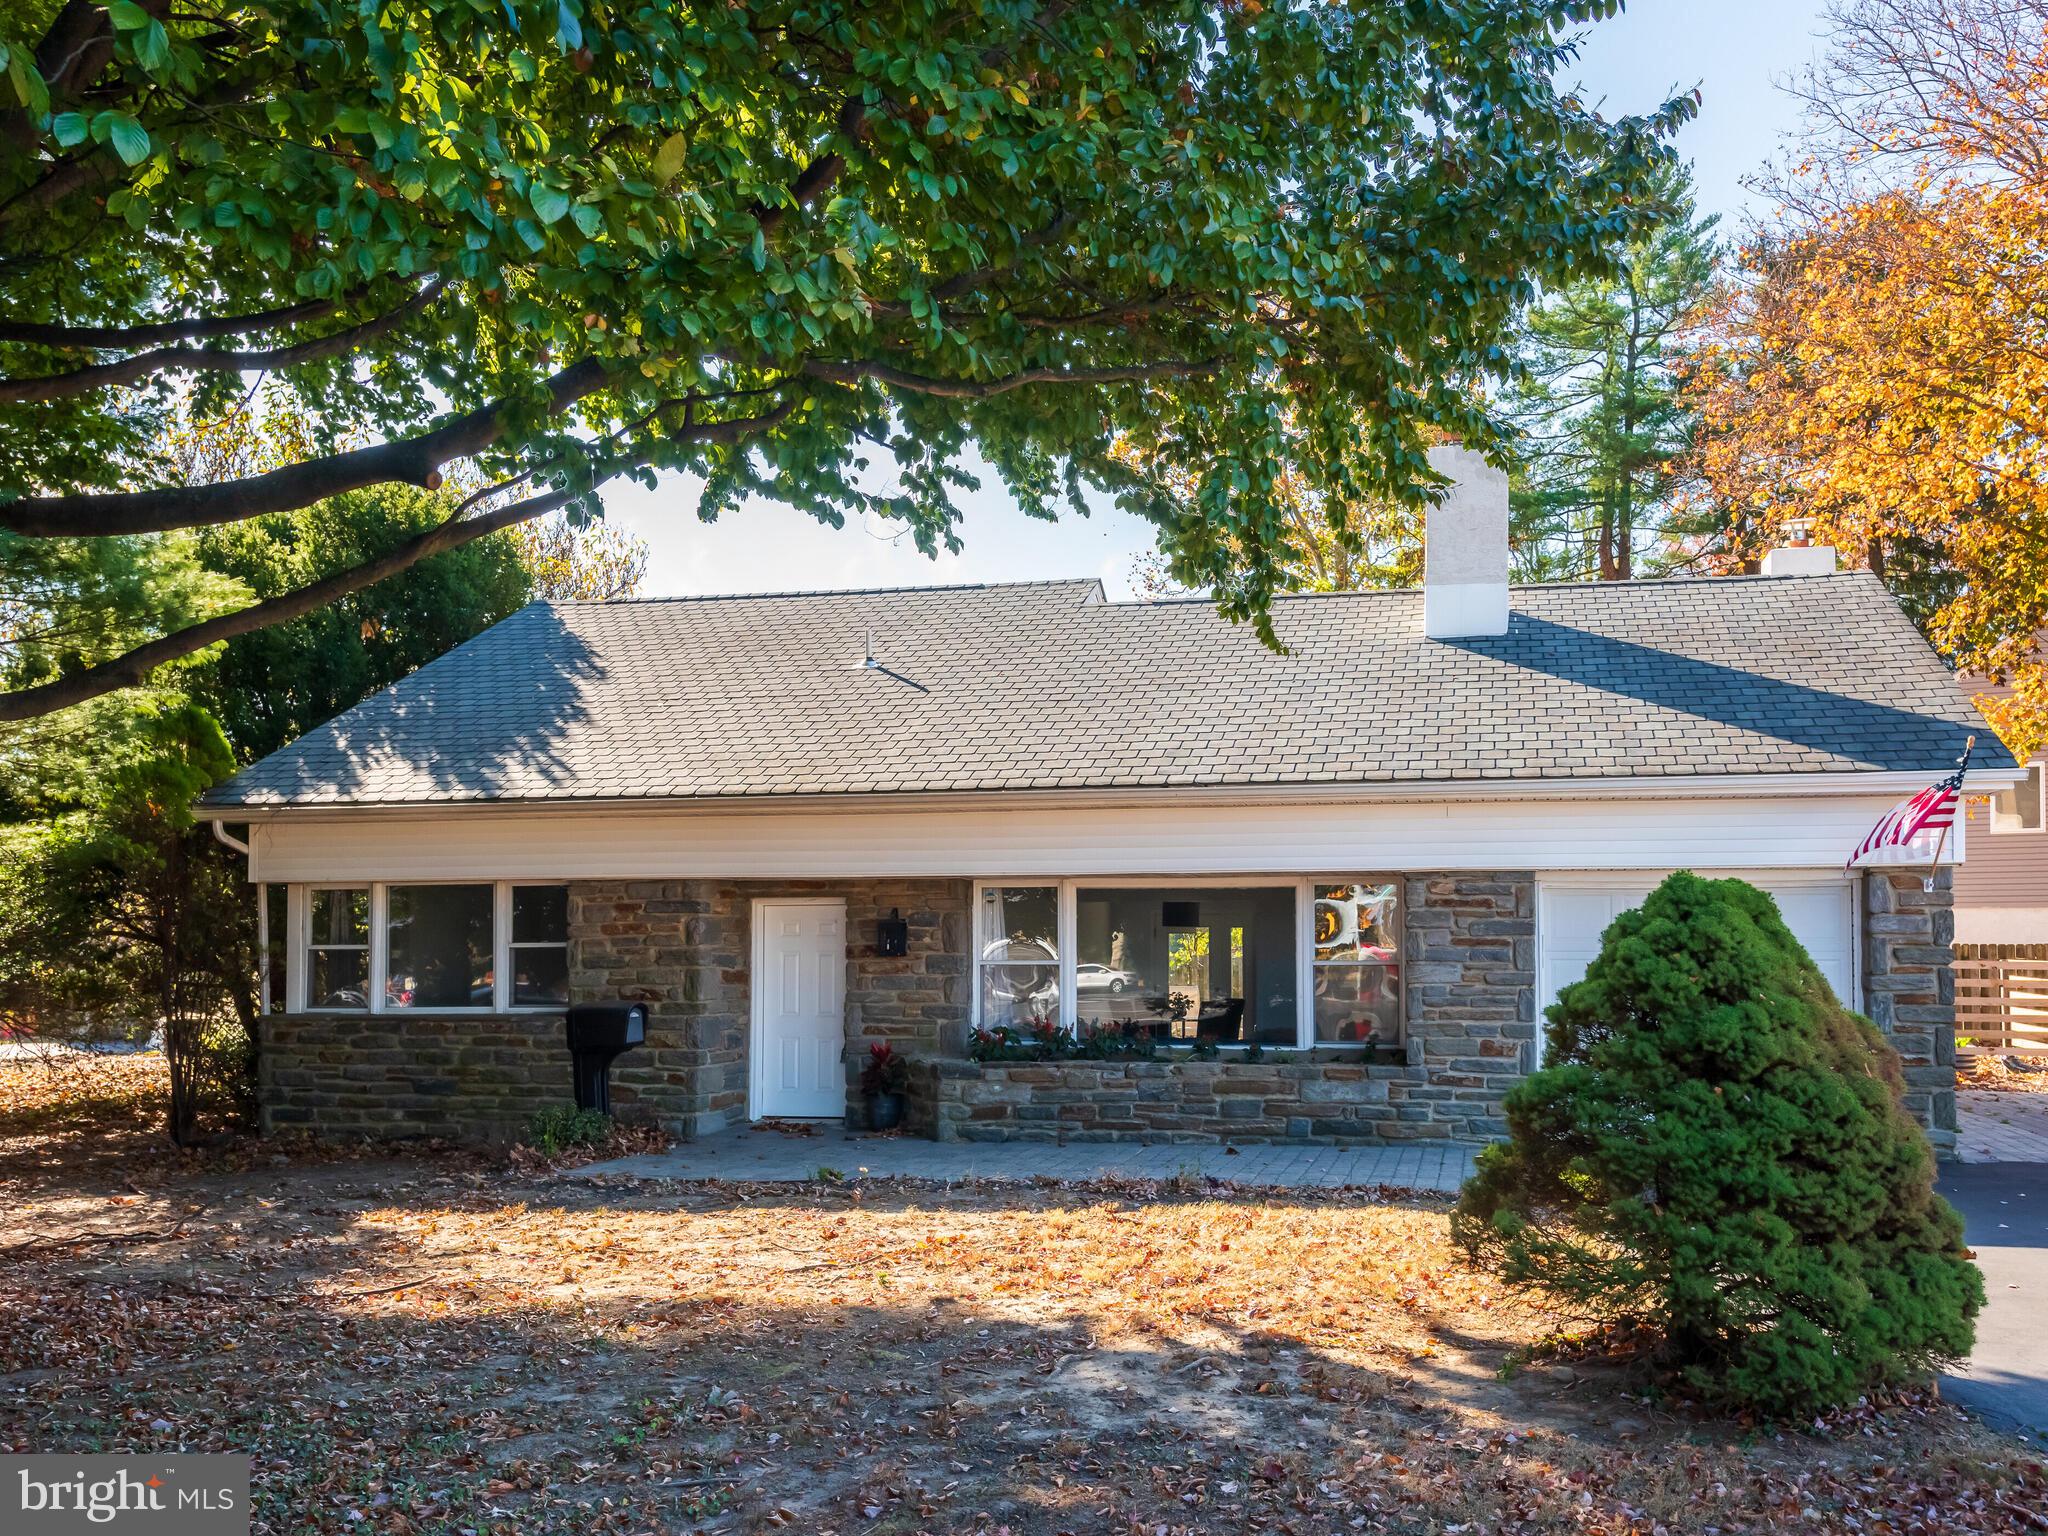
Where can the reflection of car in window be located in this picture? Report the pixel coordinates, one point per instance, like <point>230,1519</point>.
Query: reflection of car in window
<point>1103,978</point>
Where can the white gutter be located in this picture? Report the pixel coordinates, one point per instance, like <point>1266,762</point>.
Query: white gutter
<point>220,832</point>
<point>1408,791</point>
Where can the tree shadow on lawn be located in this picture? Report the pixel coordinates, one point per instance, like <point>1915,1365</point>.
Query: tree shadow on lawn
<point>410,1351</point>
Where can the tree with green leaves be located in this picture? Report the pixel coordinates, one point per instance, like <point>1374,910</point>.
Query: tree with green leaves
<point>1716,1154</point>
<point>1598,400</point>
<point>117,915</point>
<point>561,241</point>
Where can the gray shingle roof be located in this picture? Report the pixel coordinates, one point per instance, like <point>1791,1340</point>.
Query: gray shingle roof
<point>1044,685</point>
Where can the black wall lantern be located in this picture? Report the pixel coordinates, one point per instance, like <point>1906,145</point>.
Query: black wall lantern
<point>892,934</point>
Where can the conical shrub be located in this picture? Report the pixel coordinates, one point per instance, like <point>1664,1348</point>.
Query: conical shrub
<point>1715,1149</point>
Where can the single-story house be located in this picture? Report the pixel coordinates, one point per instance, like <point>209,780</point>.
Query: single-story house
<point>1352,873</point>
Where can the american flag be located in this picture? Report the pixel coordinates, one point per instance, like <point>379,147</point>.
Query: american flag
<point>1932,810</point>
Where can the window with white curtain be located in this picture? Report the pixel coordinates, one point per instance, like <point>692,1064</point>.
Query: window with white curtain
<point>1017,969</point>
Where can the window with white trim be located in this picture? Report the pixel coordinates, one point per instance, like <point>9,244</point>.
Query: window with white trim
<point>438,947</point>
<point>1356,961</point>
<point>2019,809</point>
<point>1017,966</point>
<point>538,952</point>
<point>338,948</point>
<point>1196,963</point>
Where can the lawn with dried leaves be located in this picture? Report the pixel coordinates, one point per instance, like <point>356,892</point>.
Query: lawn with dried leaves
<point>452,1344</point>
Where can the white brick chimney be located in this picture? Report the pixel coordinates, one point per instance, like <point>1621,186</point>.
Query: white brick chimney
<point>1465,549</point>
<point>1799,557</point>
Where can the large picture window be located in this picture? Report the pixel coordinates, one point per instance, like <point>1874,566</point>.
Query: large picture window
<point>1357,962</point>
<point>1211,964</point>
<point>337,948</point>
<point>438,949</point>
<point>1018,975</point>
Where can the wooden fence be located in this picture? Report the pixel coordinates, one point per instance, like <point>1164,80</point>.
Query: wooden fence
<point>2002,996</point>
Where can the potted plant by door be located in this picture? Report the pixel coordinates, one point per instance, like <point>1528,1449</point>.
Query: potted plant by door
<point>881,1084</point>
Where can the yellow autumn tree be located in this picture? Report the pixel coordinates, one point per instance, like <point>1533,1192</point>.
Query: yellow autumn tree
<point>1879,366</point>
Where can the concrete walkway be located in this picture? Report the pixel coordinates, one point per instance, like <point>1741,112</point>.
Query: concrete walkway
<point>781,1157</point>
<point>2005,1221</point>
<point>1993,1127</point>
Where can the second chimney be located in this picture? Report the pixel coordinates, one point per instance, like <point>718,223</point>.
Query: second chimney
<point>1465,549</point>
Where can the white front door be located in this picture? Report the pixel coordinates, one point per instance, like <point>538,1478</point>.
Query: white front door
<point>799,1029</point>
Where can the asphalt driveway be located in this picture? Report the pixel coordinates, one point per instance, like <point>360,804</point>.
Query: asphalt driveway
<point>2005,1217</point>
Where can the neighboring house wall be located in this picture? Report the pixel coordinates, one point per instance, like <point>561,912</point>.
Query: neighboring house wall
<point>2002,885</point>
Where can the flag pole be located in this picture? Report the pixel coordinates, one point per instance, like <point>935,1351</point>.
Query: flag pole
<point>1941,842</point>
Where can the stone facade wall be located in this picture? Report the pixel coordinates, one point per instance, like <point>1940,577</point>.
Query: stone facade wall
<point>1909,989</point>
<point>464,1077</point>
<point>684,947</point>
<point>1470,949</point>
<point>1470,954</point>
<point>1169,1101</point>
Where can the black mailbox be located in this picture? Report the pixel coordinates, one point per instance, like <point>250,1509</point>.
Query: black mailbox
<point>598,1033</point>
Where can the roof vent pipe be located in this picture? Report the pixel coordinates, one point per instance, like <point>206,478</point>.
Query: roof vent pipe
<point>1465,549</point>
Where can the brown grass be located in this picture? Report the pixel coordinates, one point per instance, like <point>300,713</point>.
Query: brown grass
<point>442,1345</point>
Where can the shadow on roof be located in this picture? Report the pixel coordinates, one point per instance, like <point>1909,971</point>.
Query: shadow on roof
<point>448,721</point>
<point>1876,736</point>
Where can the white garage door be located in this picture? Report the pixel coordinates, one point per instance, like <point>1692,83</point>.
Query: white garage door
<point>1572,914</point>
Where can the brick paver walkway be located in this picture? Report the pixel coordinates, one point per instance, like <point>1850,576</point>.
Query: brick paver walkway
<point>2001,1127</point>
<point>778,1157</point>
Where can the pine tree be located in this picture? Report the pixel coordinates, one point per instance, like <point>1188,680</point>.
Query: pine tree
<point>1598,402</point>
<point>1715,1150</point>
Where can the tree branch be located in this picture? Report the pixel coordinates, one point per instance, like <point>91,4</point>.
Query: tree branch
<point>409,461</point>
<point>817,177</point>
<point>134,667</point>
<point>982,389</point>
<point>90,338</point>
<point>81,381</point>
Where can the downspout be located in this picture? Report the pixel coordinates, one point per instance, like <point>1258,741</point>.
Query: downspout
<point>220,832</point>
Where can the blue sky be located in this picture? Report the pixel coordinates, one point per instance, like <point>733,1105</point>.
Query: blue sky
<point>1734,50</point>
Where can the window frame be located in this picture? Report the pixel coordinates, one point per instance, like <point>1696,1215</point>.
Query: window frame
<point>1399,963</point>
<point>380,903</point>
<point>1303,887</point>
<point>298,957</point>
<point>2029,798</point>
<point>299,952</point>
<point>506,945</point>
<point>1063,943</point>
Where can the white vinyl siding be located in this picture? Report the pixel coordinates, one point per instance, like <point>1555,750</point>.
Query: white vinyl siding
<point>1028,839</point>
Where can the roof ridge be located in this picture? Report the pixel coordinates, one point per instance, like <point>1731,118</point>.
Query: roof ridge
<point>795,592</point>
